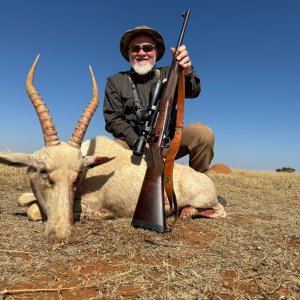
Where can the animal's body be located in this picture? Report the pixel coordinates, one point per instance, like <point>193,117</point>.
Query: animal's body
<point>116,185</point>
<point>74,177</point>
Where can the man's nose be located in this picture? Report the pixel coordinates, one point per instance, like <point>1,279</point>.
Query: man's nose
<point>141,52</point>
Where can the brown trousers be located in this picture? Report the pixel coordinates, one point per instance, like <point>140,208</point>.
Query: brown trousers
<point>197,141</point>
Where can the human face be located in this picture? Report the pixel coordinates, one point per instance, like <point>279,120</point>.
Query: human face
<point>142,61</point>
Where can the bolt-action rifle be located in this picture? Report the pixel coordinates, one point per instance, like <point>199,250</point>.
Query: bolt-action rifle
<point>150,212</point>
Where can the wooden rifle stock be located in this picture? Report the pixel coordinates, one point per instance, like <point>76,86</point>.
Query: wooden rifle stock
<point>150,209</point>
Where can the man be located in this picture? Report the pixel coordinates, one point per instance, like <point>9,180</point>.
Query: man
<point>127,92</point>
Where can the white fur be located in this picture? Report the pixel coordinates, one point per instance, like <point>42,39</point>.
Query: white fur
<point>108,190</point>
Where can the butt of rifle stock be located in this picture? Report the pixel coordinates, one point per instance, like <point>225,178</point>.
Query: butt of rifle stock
<point>148,225</point>
<point>150,210</point>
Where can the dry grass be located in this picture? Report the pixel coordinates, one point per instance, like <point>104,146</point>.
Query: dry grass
<point>252,254</point>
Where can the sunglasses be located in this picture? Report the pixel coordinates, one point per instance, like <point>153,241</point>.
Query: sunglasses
<point>145,47</point>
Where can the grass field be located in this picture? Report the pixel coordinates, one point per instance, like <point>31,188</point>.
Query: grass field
<point>254,253</point>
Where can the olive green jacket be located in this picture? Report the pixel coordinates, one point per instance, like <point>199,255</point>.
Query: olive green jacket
<point>119,101</point>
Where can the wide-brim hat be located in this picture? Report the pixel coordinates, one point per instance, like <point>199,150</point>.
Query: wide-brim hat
<point>157,37</point>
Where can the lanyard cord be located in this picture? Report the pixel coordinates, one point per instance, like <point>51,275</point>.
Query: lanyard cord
<point>137,101</point>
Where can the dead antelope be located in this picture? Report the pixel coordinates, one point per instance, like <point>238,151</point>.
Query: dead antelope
<point>69,178</point>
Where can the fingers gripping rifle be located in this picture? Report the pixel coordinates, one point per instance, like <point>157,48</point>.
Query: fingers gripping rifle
<point>149,212</point>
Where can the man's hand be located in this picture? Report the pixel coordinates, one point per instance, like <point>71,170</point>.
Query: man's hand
<point>182,56</point>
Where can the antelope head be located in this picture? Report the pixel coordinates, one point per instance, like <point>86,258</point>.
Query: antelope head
<point>55,170</point>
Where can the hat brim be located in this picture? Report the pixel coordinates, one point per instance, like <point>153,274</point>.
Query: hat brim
<point>127,36</point>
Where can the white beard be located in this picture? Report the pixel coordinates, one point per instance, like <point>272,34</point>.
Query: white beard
<point>142,70</point>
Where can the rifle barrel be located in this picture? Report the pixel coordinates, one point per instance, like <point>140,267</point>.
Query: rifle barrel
<point>186,15</point>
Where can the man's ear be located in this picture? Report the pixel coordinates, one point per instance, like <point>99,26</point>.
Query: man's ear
<point>15,159</point>
<point>94,161</point>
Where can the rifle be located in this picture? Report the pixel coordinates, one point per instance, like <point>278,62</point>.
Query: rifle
<point>149,212</point>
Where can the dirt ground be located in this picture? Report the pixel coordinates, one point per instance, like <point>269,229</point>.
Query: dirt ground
<point>254,253</point>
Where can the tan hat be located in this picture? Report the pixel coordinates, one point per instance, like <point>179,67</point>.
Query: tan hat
<point>128,35</point>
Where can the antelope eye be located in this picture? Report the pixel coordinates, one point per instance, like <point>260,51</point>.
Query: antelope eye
<point>46,177</point>
<point>44,173</point>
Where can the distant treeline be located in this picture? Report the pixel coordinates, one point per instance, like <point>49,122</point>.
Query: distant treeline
<point>287,170</point>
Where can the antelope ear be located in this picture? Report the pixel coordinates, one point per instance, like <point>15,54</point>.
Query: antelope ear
<point>15,159</point>
<point>94,161</point>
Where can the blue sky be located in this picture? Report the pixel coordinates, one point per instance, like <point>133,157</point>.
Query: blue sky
<point>247,54</point>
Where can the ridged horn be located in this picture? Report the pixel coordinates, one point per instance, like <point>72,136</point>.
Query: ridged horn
<point>48,128</point>
<point>83,123</point>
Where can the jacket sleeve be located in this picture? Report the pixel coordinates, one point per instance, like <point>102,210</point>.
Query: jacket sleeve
<point>192,85</point>
<point>115,122</point>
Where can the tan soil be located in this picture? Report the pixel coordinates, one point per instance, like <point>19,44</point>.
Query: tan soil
<point>254,253</point>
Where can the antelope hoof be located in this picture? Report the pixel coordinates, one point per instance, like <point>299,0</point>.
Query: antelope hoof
<point>26,199</point>
<point>34,212</point>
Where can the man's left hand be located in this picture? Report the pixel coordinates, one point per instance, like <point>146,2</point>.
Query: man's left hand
<point>182,56</point>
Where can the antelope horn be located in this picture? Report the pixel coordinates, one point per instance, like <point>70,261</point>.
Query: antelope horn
<point>48,128</point>
<point>83,123</point>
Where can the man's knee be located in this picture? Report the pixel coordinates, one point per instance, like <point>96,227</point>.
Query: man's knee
<point>200,133</point>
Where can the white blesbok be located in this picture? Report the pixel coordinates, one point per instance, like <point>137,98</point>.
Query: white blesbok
<point>66,178</point>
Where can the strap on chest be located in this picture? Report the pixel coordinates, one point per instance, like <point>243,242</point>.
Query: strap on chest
<point>137,101</point>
